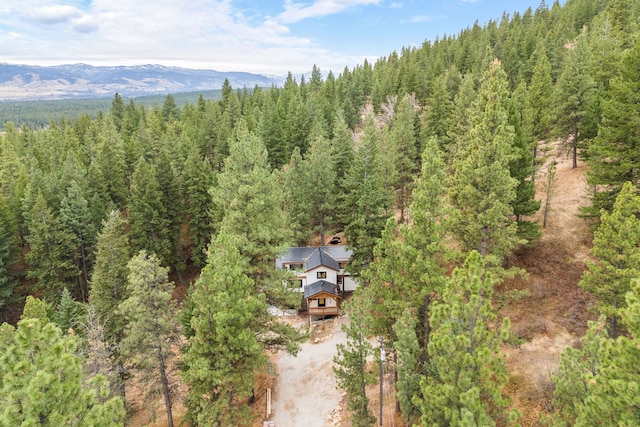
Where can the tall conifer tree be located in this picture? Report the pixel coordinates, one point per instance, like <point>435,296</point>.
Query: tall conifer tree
<point>613,155</point>
<point>108,286</point>
<point>224,352</point>
<point>351,372</point>
<point>51,249</point>
<point>152,330</point>
<point>574,96</point>
<point>368,204</point>
<point>616,246</point>
<point>147,213</point>
<point>8,258</point>
<point>251,206</point>
<point>198,179</point>
<point>469,374</point>
<point>481,189</point>
<point>41,381</point>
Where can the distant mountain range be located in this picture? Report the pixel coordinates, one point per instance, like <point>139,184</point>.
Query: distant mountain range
<point>26,82</point>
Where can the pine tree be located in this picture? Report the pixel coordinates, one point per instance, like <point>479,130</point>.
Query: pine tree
<point>224,351</point>
<point>537,116</point>
<point>68,312</point>
<point>170,183</point>
<point>460,117</point>
<point>35,308</point>
<point>576,368</point>
<point>613,155</point>
<point>523,168</point>
<point>342,154</point>
<point>383,300</point>
<point>550,185</point>
<point>351,372</point>
<point>468,372</point>
<point>198,179</point>
<point>408,269</point>
<point>110,162</point>
<point>75,215</point>
<point>41,381</point>
<point>8,257</point>
<point>426,250</point>
<point>51,249</point>
<point>616,246</point>
<point>297,201</point>
<point>319,185</point>
<point>248,196</point>
<point>574,95</point>
<point>598,384</point>
<point>438,114</point>
<point>367,205</point>
<point>481,189</point>
<point>170,110</point>
<point>409,366</point>
<point>149,225</point>
<point>108,286</point>
<point>117,110</point>
<point>609,38</point>
<point>152,328</point>
<point>271,133</point>
<point>401,151</point>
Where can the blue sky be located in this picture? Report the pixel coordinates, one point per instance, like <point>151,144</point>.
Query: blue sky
<point>262,36</point>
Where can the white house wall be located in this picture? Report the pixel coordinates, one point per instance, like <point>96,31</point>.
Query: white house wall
<point>349,284</point>
<point>312,275</point>
<point>329,303</point>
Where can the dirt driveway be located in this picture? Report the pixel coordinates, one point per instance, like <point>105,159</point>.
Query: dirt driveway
<point>306,391</point>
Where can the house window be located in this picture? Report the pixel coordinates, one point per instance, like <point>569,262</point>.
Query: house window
<point>295,266</point>
<point>322,302</point>
<point>296,283</point>
<point>342,265</point>
<point>340,280</point>
<point>321,274</point>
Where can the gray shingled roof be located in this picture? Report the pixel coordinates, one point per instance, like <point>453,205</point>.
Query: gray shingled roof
<point>320,257</point>
<point>321,286</point>
<point>299,254</point>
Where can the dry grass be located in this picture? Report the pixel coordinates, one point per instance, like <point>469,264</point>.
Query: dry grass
<point>555,313</point>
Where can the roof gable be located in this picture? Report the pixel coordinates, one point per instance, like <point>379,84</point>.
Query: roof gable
<point>319,257</point>
<point>297,255</point>
<point>321,286</point>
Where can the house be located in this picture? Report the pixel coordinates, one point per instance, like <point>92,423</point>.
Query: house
<point>320,275</point>
<point>323,299</point>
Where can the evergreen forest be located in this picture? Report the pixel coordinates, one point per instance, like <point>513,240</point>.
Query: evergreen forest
<point>138,246</point>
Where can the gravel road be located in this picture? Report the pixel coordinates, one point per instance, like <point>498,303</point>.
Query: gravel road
<point>306,389</point>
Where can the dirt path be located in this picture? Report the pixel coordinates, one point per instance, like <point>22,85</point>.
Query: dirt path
<point>306,391</point>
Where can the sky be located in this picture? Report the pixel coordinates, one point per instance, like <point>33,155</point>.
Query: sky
<point>270,37</point>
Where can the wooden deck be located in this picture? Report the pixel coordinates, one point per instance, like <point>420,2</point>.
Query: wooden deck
<point>323,311</point>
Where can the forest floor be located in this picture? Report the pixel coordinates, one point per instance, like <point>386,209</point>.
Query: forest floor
<point>547,309</point>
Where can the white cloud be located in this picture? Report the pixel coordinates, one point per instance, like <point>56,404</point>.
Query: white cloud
<point>54,14</point>
<point>396,5</point>
<point>84,24</point>
<point>211,34</point>
<point>294,12</point>
<point>421,19</point>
